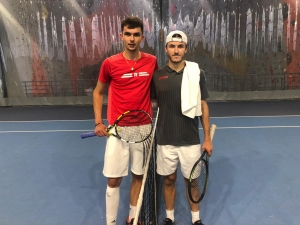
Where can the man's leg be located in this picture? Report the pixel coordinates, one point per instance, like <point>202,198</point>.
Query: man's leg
<point>137,171</point>
<point>135,188</point>
<point>112,199</point>
<point>167,161</point>
<point>115,167</point>
<point>195,209</point>
<point>169,194</point>
<point>188,156</point>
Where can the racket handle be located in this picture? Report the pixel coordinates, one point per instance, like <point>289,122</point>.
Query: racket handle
<point>87,135</point>
<point>212,131</point>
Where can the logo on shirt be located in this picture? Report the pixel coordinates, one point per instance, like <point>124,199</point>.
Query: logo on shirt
<point>163,77</point>
<point>139,74</point>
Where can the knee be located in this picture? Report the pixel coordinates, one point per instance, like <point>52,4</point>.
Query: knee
<point>114,182</point>
<point>137,178</point>
<point>170,180</point>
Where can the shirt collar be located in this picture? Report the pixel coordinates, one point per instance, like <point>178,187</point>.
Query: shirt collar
<point>171,70</point>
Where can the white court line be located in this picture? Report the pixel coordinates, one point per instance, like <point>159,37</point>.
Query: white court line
<point>218,128</point>
<point>225,117</point>
<point>229,117</point>
<point>42,131</point>
<point>255,127</point>
<point>45,121</point>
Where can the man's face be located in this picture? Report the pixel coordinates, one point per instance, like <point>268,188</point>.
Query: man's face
<point>132,38</point>
<point>176,51</point>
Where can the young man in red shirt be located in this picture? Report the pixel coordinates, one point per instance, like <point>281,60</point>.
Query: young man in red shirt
<point>129,75</point>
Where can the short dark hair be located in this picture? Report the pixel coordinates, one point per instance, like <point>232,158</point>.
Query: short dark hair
<point>132,22</point>
<point>177,35</point>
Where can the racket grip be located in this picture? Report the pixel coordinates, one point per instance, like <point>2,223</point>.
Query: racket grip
<point>212,131</point>
<point>87,135</point>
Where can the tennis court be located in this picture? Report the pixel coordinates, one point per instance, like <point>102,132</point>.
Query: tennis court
<point>49,176</point>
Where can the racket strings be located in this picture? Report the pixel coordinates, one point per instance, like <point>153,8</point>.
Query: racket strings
<point>134,133</point>
<point>199,181</point>
<point>135,126</point>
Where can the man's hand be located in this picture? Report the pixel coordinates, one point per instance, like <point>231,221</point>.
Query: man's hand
<point>207,146</point>
<point>100,130</point>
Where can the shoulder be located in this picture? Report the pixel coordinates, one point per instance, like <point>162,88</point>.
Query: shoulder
<point>114,58</point>
<point>191,64</point>
<point>148,56</point>
<point>113,61</point>
<point>159,71</point>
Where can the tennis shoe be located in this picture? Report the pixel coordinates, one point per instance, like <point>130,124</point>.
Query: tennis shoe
<point>131,222</point>
<point>198,222</point>
<point>168,221</point>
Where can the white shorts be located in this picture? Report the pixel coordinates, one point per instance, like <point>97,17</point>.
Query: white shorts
<point>168,157</point>
<point>117,156</point>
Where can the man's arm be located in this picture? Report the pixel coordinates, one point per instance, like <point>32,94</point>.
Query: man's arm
<point>98,95</point>
<point>205,121</point>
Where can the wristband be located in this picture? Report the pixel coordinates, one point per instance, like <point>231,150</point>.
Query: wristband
<point>98,124</point>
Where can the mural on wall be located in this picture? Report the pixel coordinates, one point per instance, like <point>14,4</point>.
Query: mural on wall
<point>58,40</point>
<point>68,39</point>
<point>240,36</point>
<point>292,42</point>
<point>2,94</point>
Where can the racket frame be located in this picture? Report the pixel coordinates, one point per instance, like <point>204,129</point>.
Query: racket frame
<point>115,125</point>
<point>205,161</point>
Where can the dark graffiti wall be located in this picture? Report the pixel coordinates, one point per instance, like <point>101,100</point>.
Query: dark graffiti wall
<point>240,36</point>
<point>43,42</point>
<point>59,40</point>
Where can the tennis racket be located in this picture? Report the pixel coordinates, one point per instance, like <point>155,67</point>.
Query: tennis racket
<point>133,126</point>
<point>198,179</point>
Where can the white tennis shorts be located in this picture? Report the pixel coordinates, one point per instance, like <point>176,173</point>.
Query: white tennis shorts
<point>168,157</point>
<point>117,156</point>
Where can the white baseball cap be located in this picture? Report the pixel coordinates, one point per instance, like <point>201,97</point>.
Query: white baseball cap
<point>170,37</point>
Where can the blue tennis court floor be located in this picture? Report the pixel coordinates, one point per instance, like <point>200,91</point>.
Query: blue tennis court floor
<point>49,176</point>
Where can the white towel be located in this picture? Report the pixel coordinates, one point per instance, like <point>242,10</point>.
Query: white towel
<point>190,90</point>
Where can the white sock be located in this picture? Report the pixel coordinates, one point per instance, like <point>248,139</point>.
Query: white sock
<point>132,211</point>
<point>170,214</point>
<point>195,216</point>
<point>112,204</point>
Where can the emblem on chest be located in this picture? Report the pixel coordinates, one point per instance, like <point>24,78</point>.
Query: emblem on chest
<point>139,74</point>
